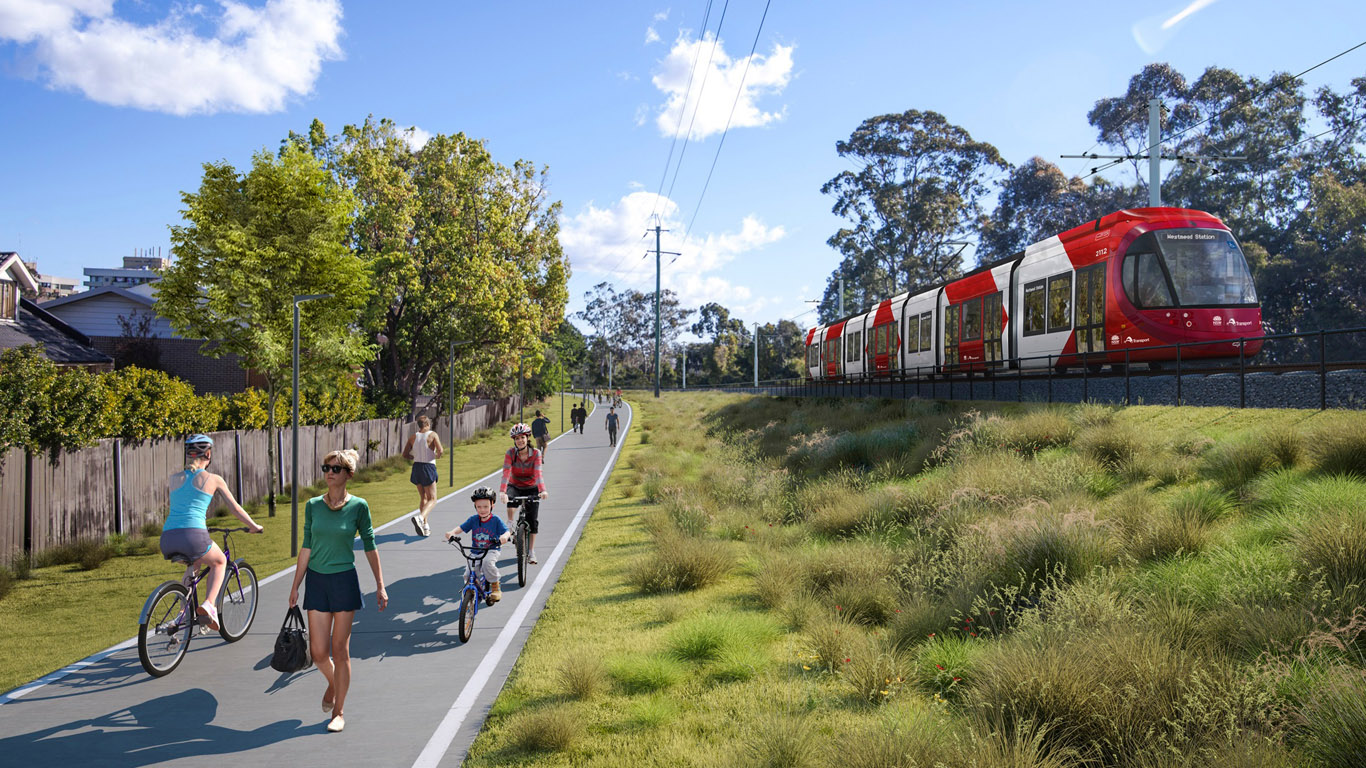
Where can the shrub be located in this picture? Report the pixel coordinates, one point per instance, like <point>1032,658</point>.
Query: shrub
<point>6,581</point>
<point>1333,534</point>
<point>680,564</point>
<point>644,674</point>
<point>552,729</point>
<point>152,404</point>
<point>582,674</point>
<point>91,554</point>
<point>151,530</point>
<point>1340,449</point>
<point>21,566</point>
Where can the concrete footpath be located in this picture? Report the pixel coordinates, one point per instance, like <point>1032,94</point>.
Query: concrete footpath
<point>418,695</point>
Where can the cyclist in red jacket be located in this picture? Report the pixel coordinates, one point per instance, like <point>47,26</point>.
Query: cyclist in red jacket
<point>522,472</point>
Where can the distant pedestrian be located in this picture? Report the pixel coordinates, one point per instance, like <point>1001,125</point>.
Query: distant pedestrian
<point>612,425</point>
<point>327,568</point>
<point>540,429</point>
<point>423,449</point>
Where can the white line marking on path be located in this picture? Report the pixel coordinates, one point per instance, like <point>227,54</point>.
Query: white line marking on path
<point>455,716</point>
<point>132,642</point>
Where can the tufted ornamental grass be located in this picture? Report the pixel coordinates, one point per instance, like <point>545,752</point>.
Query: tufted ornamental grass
<point>863,451</point>
<point>582,675</point>
<point>646,673</point>
<point>940,666</point>
<point>918,620</point>
<point>1038,431</point>
<point>1236,465</point>
<point>781,740</point>
<point>551,729</point>
<point>1332,536</point>
<point>1110,444</point>
<point>1339,448</point>
<point>909,735</point>
<point>710,636</point>
<point>875,671</point>
<point>1027,549</point>
<point>681,563</point>
<point>1334,720</point>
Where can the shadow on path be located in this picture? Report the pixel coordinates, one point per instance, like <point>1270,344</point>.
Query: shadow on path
<point>167,728</point>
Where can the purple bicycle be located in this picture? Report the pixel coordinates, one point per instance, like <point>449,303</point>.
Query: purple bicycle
<point>170,616</point>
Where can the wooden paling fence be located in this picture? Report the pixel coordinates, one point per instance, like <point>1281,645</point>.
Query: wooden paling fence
<point>114,487</point>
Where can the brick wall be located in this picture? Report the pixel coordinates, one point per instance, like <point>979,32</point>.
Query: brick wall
<point>181,358</point>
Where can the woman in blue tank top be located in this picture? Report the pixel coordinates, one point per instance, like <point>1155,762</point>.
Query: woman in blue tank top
<point>185,531</point>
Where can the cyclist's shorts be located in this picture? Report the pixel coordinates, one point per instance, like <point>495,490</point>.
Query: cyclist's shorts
<point>332,592</point>
<point>532,505</point>
<point>541,441</point>
<point>190,543</point>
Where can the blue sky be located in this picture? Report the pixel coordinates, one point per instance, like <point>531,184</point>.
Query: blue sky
<point>111,107</point>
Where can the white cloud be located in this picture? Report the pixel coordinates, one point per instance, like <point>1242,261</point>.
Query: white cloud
<point>663,15</point>
<point>651,36</point>
<point>257,58</point>
<point>642,115</point>
<point>416,137</point>
<point>608,242</point>
<point>707,104</point>
<point>1153,32</point>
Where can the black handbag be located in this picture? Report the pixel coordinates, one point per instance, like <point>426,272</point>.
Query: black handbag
<point>291,647</point>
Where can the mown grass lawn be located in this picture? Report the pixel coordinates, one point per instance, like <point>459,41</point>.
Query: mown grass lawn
<point>62,614</point>
<point>883,583</point>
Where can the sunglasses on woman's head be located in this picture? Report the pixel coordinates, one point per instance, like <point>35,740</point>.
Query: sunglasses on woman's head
<point>338,468</point>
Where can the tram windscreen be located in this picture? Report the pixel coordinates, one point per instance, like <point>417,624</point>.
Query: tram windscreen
<point>1204,267</point>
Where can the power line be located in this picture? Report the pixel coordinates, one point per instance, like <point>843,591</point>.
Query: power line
<point>739,91</point>
<point>698,105</point>
<point>687,92</point>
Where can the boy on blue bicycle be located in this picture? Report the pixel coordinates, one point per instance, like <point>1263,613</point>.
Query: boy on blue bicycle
<point>486,532</point>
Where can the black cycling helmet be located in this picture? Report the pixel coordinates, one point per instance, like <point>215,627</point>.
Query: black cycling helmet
<point>482,492</point>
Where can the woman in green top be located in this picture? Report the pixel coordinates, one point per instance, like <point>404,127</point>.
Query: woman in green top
<point>332,595</point>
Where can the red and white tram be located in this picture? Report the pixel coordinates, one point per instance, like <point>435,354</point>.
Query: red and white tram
<point>1133,282</point>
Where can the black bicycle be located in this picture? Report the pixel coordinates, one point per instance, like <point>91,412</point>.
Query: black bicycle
<point>521,536</point>
<point>170,616</point>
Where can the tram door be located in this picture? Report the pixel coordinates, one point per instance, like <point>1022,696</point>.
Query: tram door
<point>951,316</point>
<point>991,328</point>
<point>1091,309</point>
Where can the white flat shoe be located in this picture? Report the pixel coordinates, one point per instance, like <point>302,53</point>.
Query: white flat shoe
<point>337,724</point>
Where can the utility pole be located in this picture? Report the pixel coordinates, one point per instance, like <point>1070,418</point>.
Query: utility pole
<point>756,354</point>
<point>1155,156</point>
<point>658,231</point>
<point>841,313</point>
<point>685,367</point>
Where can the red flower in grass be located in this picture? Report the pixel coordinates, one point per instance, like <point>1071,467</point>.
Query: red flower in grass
<point>956,679</point>
<point>974,634</point>
<point>967,621</point>
<point>846,659</point>
<point>939,667</point>
<point>838,608</point>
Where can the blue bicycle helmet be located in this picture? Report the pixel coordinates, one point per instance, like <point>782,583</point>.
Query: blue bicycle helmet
<point>198,445</point>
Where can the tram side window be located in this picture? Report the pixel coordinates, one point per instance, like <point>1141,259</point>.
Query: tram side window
<point>912,334</point>
<point>926,331</point>
<point>1034,310</point>
<point>1060,302</point>
<point>854,348</point>
<point>972,320</point>
<point>1144,281</point>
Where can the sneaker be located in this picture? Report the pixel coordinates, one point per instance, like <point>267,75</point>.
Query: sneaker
<point>418,526</point>
<point>336,725</point>
<point>208,615</point>
<point>426,528</point>
<point>531,557</point>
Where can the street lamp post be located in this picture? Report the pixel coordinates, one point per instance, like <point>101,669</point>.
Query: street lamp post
<point>294,485</point>
<point>756,354</point>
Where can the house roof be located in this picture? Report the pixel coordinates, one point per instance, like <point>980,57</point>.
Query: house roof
<point>11,263</point>
<point>62,344</point>
<point>126,293</point>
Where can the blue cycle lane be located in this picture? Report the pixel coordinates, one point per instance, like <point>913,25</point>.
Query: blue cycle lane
<point>418,695</point>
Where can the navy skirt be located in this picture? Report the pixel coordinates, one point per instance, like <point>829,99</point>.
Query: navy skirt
<point>424,473</point>
<point>332,592</point>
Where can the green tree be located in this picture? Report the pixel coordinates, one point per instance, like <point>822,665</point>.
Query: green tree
<point>919,187</point>
<point>1037,201</point>
<point>249,244</point>
<point>458,247</point>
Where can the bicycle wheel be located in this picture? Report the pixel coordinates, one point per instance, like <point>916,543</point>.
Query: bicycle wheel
<point>521,553</point>
<point>237,602</point>
<point>468,607</point>
<point>164,633</point>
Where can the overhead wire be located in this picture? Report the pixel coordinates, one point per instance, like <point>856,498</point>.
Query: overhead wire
<point>738,92</point>
<point>700,91</point>
<point>687,93</point>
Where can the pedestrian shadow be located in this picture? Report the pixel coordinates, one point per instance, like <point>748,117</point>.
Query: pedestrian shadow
<point>423,613</point>
<point>172,727</point>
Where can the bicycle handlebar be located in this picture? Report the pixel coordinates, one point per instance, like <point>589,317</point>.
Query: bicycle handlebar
<point>243,529</point>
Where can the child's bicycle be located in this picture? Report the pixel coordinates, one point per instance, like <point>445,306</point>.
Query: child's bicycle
<point>476,586</point>
<point>521,536</point>
<point>170,616</point>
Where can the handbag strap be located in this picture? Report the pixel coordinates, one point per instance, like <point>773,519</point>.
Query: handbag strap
<point>293,617</point>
